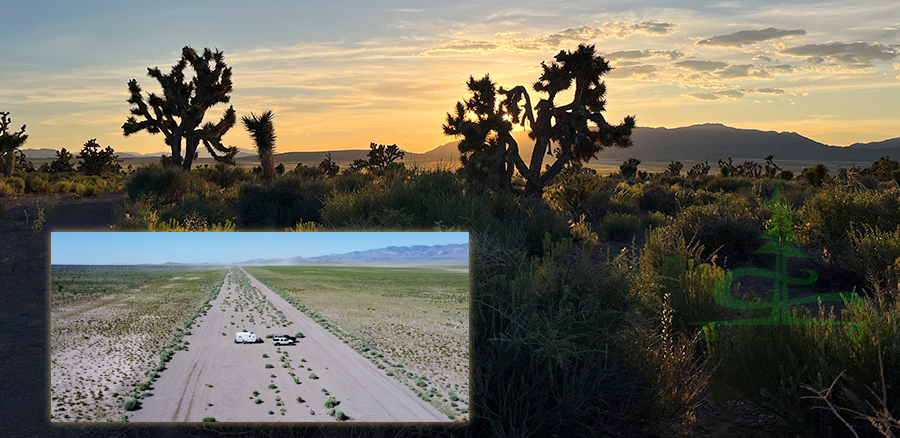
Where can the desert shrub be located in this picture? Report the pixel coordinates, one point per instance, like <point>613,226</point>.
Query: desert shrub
<point>339,415</point>
<point>419,201</point>
<point>166,183</point>
<point>815,176</point>
<point>223,175</point>
<point>657,197</point>
<point>620,227</point>
<point>313,376</point>
<point>209,419</point>
<point>728,185</point>
<point>288,200</point>
<point>666,357</point>
<point>131,404</point>
<point>655,219</point>
<point>582,193</point>
<point>789,361</point>
<point>828,215</point>
<point>729,228</point>
<point>257,401</point>
<point>268,365</point>
<point>34,183</point>
<point>875,256</point>
<point>348,182</point>
<point>546,328</point>
<point>331,402</point>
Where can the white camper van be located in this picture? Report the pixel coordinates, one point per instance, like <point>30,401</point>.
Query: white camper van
<point>244,338</point>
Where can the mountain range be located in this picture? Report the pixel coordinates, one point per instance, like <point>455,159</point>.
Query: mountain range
<point>458,253</point>
<point>712,141</point>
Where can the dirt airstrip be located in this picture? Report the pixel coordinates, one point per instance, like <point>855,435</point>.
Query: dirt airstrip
<point>234,382</point>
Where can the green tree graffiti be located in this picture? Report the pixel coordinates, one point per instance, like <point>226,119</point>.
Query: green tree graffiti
<point>780,242</point>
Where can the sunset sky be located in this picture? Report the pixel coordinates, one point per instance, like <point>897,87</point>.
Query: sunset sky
<point>339,75</point>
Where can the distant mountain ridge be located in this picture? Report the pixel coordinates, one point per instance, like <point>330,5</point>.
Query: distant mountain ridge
<point>709,141</point>
<point>415,253</point>
<point>714,141</point>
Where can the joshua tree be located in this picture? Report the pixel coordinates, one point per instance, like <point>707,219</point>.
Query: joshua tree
<point>330,168</point>
<point>187,102</point>
<point>382,156</point>
<point>629,167</point>
<point>96,161</point>
<point>10,142</point>
<point>262,130</point>
<point>63,162</point>
<point>576,131</point>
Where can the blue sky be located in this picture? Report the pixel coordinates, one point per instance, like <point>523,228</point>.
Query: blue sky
<point>124,248</point>
<point>342,74</point>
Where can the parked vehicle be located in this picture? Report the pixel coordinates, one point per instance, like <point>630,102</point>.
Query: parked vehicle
<point>282,340</point>
<point>244,338</point>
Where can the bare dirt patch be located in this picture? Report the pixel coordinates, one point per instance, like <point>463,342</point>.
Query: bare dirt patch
<point>263,382</point>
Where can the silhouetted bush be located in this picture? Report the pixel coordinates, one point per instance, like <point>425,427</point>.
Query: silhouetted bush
<point>168,183</point>
<point>657,197</point>
<point>288,200</point>
<point>621,227</point>
<point>828,215</point>
<point>729,227</point>
<point>728,184</point>
<point>816,175</point>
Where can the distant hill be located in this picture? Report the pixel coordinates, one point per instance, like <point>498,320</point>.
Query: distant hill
<point>893,143</point>
<point>712,141</point>
<point>416,253</point>
<point>715,141</point>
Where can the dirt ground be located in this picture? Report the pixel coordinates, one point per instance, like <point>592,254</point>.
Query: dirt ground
<point>218,378</point>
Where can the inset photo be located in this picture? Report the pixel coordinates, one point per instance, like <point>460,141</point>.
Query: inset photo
<point>259,327</point>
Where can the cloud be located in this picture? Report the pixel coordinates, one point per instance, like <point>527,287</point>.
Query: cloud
<point>716,96</point>
<point>780,68</point>
<point>641,54</point>
<point>654,28</point>
<point>742,71</point>
<point>467,46</point>
<point>634,70</point>
<point>738,39</point>
<point>766,91</point>
<point>762,58</point>
<point>859,54</point>
<point>701,65</point>
<point>513,42</point>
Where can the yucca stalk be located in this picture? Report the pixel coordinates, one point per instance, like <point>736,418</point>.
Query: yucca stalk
<point>262,130</point>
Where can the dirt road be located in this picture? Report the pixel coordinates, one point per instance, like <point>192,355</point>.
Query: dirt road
<point>217,378</point>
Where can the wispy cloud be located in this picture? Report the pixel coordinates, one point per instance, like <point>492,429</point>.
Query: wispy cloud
<point>405,10</point>
<point>766,91</point>
<point>738,39</point>
<point>716,96</point>
<point>859,54</point>
<point>643,54</point>
<point>742,71</point>
<point>701,65</point>
<point>633,70</point>
<point>513,42</point>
